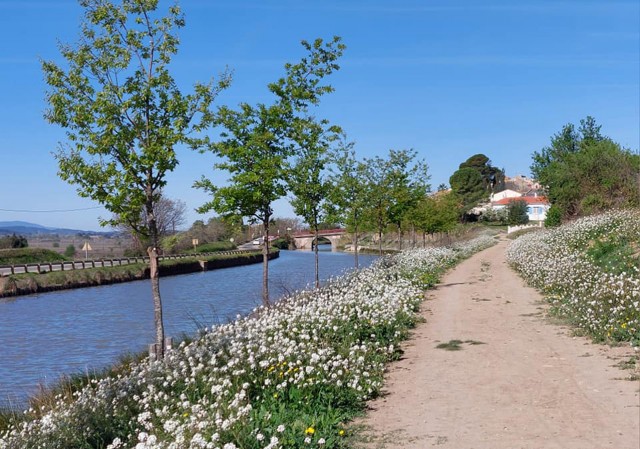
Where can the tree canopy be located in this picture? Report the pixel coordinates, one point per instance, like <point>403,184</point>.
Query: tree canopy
<point>584,172</point>
<point>257,142</point>
<point>475,179</point>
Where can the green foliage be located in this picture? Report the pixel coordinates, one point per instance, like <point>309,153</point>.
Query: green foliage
<point>124,115</point>
<point>70,251</point>
<point>394,186</point>
<point>492,177</point>
<point>258,141</point>
<point>438,213</point>
<point>468,184</point>
<point>347,198</point>
<point>517,213</point>
<point>13,241</point>
<point>475,179</point>
<point>554,217</point>
<point>615,254</point>
<point>21,256</point>
<point>213,247</point>
<point>586,173</point>
<point>121,108</point>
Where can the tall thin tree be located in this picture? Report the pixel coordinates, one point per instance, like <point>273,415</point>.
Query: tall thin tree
<point>257,142</point>
<point>124,115</point>
<point>308,180</point>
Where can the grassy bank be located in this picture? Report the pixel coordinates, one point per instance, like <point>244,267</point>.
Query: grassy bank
<point>28,283</point>
<point>590,272</point>
<point>288,376</point>
<point>22,256</point>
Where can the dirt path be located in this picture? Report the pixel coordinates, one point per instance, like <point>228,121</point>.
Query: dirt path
<point>517,380</point>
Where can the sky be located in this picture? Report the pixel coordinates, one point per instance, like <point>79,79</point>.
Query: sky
<point>447,78</point>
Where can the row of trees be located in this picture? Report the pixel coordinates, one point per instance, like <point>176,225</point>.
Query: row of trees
<point>585,172</point>
<point>125,117</point>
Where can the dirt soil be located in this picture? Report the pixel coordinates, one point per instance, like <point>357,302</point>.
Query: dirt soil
<point>517,380</point>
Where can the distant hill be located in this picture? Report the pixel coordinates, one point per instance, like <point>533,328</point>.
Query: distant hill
<point>26,229</point>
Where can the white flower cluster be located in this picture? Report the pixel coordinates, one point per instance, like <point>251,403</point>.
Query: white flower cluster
<point>284,376</point>
<point>599,300</point>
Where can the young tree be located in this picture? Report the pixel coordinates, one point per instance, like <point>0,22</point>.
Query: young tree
<point>308,181</point>
<point>257,142</point>
<point>124,115</point>
<point>378,195</point>
<point>347,198</point>
<point>408,183</point>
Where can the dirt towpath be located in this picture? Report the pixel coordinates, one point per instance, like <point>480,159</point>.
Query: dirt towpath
<point>516,381</point>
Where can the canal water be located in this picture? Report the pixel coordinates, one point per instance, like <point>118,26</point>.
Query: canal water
<point>44,336</point>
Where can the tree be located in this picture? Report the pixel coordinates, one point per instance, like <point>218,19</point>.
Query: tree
<point>475,179</point>
<point>70,251</point>
<point>436,214</point>
<point>13,241</point>
<point>257,142</point>
<point>124,115</point>
<point>308,181</point>
<point>377,195</point>
<point>169,214</point>
<point>468,185</point>
<point>517,212</point>
<point>408,182</point>
<point>584,172</point>
<point>492,177</point>
<point>347,198</point>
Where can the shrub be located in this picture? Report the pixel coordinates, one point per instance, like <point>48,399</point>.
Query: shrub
<point>554,217</point>
<point>70,251</point>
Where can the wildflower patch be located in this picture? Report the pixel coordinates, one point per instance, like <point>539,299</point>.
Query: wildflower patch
<point>284,377</point>
<point>589,272</point>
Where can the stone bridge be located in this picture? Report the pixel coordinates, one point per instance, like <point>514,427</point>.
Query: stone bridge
<point>306,239</point>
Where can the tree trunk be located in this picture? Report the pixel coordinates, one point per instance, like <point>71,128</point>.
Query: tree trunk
<point>380,243</point>
<point>315,232</point>
<point>424,240</point>
<point>401,236</point>
<point>355,240</point>
<point>157,301</point>
<point>265,264</point>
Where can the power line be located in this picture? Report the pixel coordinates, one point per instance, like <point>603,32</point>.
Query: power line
<point>50,211</point>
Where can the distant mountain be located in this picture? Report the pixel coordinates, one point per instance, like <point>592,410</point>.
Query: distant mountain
<point>25,228</point>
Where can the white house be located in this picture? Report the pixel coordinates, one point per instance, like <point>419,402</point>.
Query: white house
<point>537,206</point>
<point>508,193</point>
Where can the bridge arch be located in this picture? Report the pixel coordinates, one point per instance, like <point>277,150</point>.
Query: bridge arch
<point>305,239</point>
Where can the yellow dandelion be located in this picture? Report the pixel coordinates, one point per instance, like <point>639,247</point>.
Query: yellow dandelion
<point>310,431</point>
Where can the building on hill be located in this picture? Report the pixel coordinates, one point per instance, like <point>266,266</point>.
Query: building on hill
<point>508,193</point>
<point>521,183</point>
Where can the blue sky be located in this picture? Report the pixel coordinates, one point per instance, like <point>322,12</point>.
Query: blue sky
<point>447,78</point>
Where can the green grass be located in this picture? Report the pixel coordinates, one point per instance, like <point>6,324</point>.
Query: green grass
<point>21,256</point>
<point>614,255</point>
<point>215,247</point>
<point>32,282</point>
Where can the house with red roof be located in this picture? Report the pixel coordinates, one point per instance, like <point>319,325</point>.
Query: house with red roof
<point>537,206</point>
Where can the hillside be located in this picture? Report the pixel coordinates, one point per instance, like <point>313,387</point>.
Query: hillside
<point>29,229</point>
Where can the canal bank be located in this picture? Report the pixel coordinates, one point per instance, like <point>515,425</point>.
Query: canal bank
<point>30,283</point>
<point>45,336</point>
